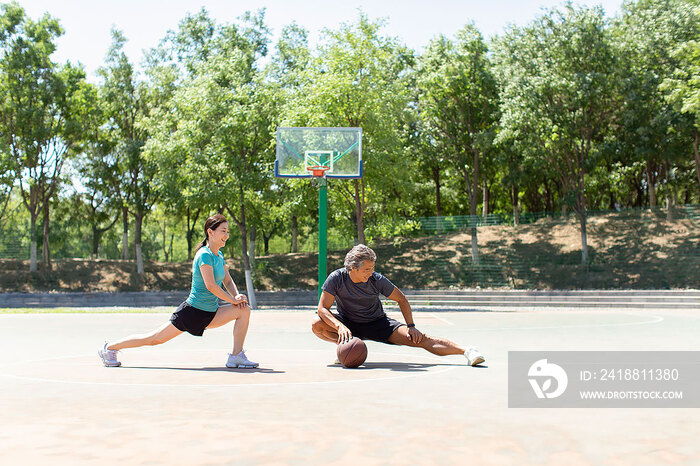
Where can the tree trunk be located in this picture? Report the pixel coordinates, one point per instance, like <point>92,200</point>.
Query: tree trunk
<point>669,193</point>
<point>32,247</point>
<point>295,233</point>
<point>359,210</point>
<point>125,233</point>
<point>475,246</point>
<point>95,241</point>
<point>353,219</point>
<point>697,154</point>
<point>438,200</point>
<point>253,239</point>
<point>580,207</point>
<point>45,253</point>
<point>639,201</point>
<point>486,201</point>
<point>472,207</point>
<point>675,195</point>
<point>651,182</point>
<point>165,239</point>
<point>266,241</point>
<point>138,222</point>
<point>584,239</point>
<point>516,208</point>
<point>189,236</point>
<point>246,260</point>
<point>548,198</point>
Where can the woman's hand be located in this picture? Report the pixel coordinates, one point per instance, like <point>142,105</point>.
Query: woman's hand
<point>344,334</point>
<point>240,299</point>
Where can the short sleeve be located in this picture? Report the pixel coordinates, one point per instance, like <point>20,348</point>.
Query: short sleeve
<point>331,284</point>
<point>207,258</point>
<point>383,284</point>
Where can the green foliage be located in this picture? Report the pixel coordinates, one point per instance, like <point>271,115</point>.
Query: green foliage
<point>43,110</point>
<point>359,79</point>
<point>458,105</point>
<point>570,110</point>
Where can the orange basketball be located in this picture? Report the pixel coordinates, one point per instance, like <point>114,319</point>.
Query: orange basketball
<point>352,353</point>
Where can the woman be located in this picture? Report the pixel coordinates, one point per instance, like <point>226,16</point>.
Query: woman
<point>210,283</point>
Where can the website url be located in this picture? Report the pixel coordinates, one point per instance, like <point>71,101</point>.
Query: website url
<point>631,395</point>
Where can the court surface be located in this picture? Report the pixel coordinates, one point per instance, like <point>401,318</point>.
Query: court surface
<point>178,404</point>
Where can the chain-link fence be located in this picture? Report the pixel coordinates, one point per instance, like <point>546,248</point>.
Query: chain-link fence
<point>444,224</point>
<point>626,248</point>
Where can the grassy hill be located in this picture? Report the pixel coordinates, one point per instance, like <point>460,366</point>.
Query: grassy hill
<point>647,252</point>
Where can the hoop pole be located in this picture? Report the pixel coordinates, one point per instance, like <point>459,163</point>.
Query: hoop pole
<point>322,233</point>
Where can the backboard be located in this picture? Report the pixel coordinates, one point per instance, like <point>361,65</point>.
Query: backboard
<point>300,149</point>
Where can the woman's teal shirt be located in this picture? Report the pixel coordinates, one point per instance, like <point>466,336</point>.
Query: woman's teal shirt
<point>200,297</point>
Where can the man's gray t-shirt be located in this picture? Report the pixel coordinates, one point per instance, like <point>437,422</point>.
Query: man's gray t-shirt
<point>358,302</point>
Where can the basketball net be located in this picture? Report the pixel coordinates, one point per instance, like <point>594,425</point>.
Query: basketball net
<point>318,171</point>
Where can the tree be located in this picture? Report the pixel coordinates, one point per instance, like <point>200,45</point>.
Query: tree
<point>126,104</point>
<point>218,126</point>
<point>7,179</point>
<point>564,91</point>
<point>288,69</point>
<point>683,86</point>
<point>458,103</point>
<point>651,127</point>
<point>41,109</point>
<point>358,80</point>
<point>96,203</point>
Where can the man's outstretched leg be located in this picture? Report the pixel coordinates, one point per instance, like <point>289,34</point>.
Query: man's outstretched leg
<point>437,345</point>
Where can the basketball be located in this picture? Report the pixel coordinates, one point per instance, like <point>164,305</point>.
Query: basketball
<point>352,353</point>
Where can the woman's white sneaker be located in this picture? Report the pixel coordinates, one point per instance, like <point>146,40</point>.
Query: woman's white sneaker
<point>473,356</point>
<point>109,357</point>
<point>240,361</point>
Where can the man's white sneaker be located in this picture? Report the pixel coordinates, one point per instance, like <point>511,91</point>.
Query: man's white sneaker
<point>473,356</point>
<point>109,357</point>
<point>240,361</point>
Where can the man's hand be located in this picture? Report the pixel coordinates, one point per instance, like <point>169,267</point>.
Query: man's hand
<point>344,334</point>
<point>414,335</point>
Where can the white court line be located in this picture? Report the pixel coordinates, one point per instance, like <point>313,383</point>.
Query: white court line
<point>274,384</point>
<point>442,319</point>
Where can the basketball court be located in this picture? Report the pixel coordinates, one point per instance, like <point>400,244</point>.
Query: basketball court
<point>177,403</point>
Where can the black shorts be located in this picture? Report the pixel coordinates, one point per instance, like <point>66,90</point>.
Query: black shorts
<point>190,319</point>
<point>377,330</point>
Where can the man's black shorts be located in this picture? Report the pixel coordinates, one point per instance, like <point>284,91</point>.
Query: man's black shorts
<point>377,330</point>
<point>190,319</point>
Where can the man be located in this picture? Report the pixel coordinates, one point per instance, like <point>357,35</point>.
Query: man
<point>355,289</point>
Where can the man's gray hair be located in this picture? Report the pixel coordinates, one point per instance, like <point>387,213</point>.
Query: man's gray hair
<point>357,255</point>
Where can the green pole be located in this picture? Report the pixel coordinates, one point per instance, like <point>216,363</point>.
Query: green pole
<point>322,232</point>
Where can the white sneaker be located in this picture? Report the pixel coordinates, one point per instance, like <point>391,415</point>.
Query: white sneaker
<point>109,357</point>
<point>240,361</point>
<point>473,356</point>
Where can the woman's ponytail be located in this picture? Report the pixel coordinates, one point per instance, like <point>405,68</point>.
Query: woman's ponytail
<point>201,244</point>
<point>212,223</point>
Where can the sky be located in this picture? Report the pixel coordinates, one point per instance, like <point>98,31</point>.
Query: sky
<point>87,23</point>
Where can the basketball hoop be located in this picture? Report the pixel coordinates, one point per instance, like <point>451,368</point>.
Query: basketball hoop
<point>318,171</point>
